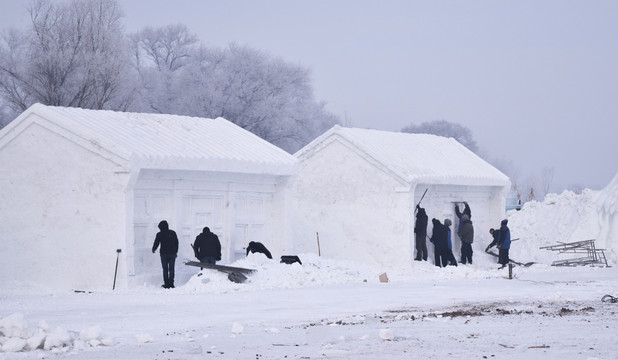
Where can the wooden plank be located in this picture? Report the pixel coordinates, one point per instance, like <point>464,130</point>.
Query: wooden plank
<point>223,268</point>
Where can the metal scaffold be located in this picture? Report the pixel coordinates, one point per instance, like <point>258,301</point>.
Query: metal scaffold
<point>590,255</point>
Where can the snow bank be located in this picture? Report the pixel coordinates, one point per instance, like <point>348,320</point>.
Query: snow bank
<point>566,217</point>
<point>16,335</point>
<point>271,274</point>
<point>607,207</point>
<point>318,271</point>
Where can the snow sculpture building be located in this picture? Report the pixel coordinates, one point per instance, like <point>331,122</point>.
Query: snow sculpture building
<point>357,189</point>
<point>77,185</point>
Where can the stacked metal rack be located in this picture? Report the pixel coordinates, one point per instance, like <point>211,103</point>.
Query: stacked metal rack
<point>591,255</point>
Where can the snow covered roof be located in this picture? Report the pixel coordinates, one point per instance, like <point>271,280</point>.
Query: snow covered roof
<point>415,158</point>
<point>160,141</point>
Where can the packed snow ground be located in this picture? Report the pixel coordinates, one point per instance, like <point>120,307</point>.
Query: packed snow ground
<point>328,309</point>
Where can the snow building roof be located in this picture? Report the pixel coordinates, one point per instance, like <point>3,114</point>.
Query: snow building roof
<point>160,141</point>
<point>414,158</point>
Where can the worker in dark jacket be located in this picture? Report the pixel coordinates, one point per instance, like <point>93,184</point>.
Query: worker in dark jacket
<point>258,247</point>
<point>504,244</point>
<point>439,238</point>
<point>420,233</point>
<point>459,214</point>
<point>495,234</point>
<point>207,247</point>
<point>466,235</point>
<point>169,250</point>
<point>449,253</point>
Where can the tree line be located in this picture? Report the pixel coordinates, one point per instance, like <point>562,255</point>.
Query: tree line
<point>76,54</point>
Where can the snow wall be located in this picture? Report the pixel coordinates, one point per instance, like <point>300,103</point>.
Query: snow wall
<point>61,224</point>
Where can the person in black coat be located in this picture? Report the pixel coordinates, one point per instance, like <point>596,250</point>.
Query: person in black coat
<point>439,238</point>
<point>420,232</point>
<point>449,252</point>
<point>207,247</point>
<point>258,247</point>
<point>496,237</point>
<point>169,249</point>
<point>466,235</point>
<point>504,244</point>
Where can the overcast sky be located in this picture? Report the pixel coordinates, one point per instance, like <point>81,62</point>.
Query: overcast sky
<point>535,81</point>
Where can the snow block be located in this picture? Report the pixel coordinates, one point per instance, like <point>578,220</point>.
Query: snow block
<point>383,278</point>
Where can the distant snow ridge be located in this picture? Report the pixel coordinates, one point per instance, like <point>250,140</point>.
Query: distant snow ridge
<point>16,336</point>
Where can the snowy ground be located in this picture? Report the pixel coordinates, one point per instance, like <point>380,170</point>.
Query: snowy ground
<point>329,310</point>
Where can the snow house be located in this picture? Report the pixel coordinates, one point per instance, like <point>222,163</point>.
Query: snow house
<point>77,185</point>
<point>357,190</point>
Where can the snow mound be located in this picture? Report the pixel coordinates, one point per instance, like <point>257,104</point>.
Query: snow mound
<point>607,207</point>
<point>272,274</point>
<point>16,336</point>
<point>237,328</point>
<point>386,334</point>
<point>566,217</point>
<point>317,271</point>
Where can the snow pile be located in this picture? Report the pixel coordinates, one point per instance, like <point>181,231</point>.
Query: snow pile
<point>566,217</point>
<point>546,223</point>
<point>15,336</point>
<point>318,271</point>
<point>607,206</point>
<point>271,274</point>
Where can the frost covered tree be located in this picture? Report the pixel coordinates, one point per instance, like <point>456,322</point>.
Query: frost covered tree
<point>168,48</point>
<point>5,114</point>
<point>71,54</point>
<point>262,94</point>
<point>75,53</point>
<point>447,129</point>
<point>159,54</point>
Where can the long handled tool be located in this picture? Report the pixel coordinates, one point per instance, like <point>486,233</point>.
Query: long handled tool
<point>419,202</point>
<point>116,270</point>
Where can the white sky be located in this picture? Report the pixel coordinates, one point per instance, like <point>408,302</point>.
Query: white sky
<point>536,82</point>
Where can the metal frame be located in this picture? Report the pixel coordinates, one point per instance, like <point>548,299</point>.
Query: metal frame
<point>587,247</point>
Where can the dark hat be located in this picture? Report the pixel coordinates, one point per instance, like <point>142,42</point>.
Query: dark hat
<point>504,222</point>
